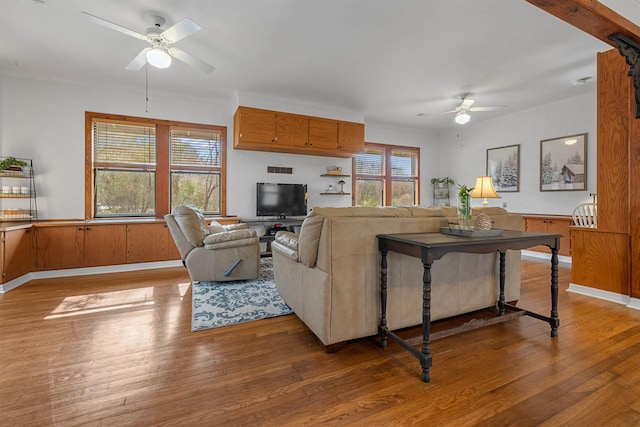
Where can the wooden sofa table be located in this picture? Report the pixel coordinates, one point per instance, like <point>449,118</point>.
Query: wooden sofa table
<point>429,247</point>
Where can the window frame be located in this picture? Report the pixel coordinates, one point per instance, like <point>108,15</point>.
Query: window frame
<point>387,177</point>
<point>162,161</point>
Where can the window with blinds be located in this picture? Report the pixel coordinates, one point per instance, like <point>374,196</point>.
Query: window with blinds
<point>196,165</point>
<point>145,167</point>
<point>124,160</point>
<point>387,175</point>
<point>369,177</point>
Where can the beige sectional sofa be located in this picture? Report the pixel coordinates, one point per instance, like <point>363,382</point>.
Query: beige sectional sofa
<point>329,273</point>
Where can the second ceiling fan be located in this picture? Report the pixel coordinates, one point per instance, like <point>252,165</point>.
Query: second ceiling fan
<point>462,110</point>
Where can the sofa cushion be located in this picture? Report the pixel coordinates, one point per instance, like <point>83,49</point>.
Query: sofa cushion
<point>426,211</point>
<point>191,222</point>
<point>363,211</point>
<point>309,239</point>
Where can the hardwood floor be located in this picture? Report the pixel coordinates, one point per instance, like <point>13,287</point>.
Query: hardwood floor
<point>117,350</point>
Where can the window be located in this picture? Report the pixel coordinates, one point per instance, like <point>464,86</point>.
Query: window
<point>145,167</point>
<point>386,175</point>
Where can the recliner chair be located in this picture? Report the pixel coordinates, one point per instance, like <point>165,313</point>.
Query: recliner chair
<point>215,253</point>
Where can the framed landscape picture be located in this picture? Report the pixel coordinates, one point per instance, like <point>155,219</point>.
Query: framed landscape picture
<point>563,163</point>
<point>503,165</point>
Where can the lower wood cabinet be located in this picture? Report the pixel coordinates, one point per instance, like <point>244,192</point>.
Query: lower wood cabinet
<point>74,246</point>
<point>555,224</point>
<point>17,253</point>
<point>150,242</point>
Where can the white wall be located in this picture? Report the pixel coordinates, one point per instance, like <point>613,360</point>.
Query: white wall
<point>463,152</point>
<point>44,121</point>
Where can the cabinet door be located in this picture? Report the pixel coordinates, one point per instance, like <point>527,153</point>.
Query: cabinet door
<point>19,255</point>
<point>351,137</point>
<point>257,126</point>
<point>560,226</point>
<point>537,225</point>
<point>323,134</point>
<point>150,242</point>
<point>292,130</point>
<point>105,245</point>
<point>59,247</point>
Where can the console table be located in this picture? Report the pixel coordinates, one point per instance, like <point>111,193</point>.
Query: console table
<point>429,247</point>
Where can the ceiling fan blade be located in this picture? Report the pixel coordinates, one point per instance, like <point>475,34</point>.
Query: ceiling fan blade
<point>180,30</point>
<point>494,108</point>
<point>435,114</point>
<point>139,61</point>
<point>113,26</point>
<point>190,59</point>
<point>466,104</point>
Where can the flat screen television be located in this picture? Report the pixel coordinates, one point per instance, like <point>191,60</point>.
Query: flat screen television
<point>281,200</point>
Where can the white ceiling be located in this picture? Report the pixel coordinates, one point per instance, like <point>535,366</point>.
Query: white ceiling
<point>387,60</point>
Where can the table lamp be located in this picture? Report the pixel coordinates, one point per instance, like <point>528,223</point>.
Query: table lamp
<point>484,189</point>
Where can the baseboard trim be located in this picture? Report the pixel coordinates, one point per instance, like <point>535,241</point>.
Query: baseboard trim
<point>85,272</point>
<point>605,295</point>
<point>542,255</point>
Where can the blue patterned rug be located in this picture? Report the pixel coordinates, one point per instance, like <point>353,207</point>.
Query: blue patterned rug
<point>216,304</point>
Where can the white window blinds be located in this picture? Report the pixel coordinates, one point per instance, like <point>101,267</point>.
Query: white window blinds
<point>196,148</point>
<point>117,144</point>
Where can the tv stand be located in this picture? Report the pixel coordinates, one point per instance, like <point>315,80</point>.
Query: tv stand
<point>266,228</point>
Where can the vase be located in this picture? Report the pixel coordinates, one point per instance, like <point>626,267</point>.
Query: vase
<point>464,212</point>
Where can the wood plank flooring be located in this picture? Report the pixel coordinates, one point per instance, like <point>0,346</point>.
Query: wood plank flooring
<point>117,350</point>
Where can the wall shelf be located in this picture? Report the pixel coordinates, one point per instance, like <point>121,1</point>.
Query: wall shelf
<point>336,193</point>
<point>333,175</point>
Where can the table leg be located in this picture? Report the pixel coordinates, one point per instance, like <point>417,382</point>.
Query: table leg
<point>383,299</point>
<point>555,320</point>
<point>501,298</point>
<point>425,360</point>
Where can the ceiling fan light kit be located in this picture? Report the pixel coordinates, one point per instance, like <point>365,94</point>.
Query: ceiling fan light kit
<point>158,58</point>
<point>462,117</point>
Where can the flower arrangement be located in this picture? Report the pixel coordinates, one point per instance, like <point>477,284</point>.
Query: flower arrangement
<point>464,206</point>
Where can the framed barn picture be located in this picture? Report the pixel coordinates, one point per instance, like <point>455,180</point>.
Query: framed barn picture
<point>563,163</point>
<point>503,166</point>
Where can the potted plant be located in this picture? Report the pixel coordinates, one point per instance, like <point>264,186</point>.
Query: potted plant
<point>12,164</point>
<point>441,182</point>
<point>464,206</point>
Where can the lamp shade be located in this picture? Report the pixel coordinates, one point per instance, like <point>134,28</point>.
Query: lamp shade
<point>484,189</point>
<point>158,58</point>
<point>462,117</point>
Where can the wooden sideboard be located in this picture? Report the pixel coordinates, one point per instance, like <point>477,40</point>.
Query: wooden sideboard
<point>556,224</point>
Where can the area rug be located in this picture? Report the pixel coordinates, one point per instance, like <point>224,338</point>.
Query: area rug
<point>216,304</point>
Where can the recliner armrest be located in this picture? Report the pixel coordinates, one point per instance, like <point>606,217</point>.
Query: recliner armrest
<point>288,239</point>
<point>227,236</point>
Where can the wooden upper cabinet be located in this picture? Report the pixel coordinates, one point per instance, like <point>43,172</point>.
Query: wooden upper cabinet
<point>292,130</point>
<point>351,137</point>
<point>265,130</point>
<point>256,126</point>
<point>323,134</point>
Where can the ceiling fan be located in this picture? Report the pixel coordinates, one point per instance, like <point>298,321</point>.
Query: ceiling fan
<point>462,110</point>
<point>161,50</point>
